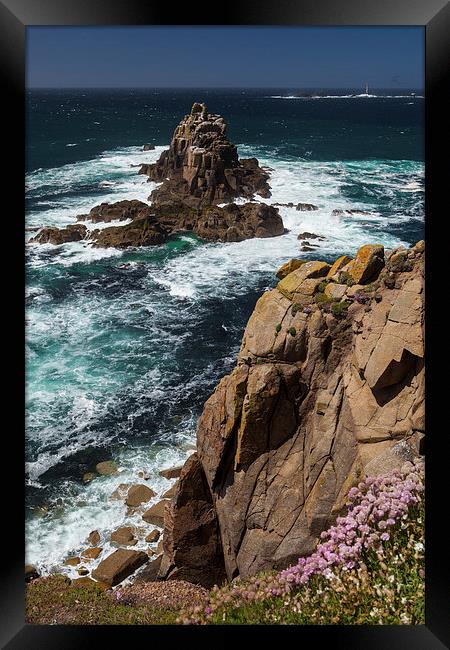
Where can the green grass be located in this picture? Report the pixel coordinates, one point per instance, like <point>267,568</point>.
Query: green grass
<point>53,600</point>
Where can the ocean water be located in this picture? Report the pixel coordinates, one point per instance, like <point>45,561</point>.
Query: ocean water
<point>121,360</point>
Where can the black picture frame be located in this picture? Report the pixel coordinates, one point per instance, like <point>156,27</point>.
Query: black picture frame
<point>15,17</point>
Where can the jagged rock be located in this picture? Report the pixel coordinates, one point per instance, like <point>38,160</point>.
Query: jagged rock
<point>144,230</point>
<point>57,236</point>
<point>201,167</point>
<point>192,546</point>
<point>288,267</point>
<point>119,565</point>
<point>306,207</point>
<point>367,264</point>
<point>309,235</point>
<point>138,494</point>
<point>310,407</point>
<point>119,211</point>
<point>339,212</point>
<point>155,514</point>
<point>148,147</point>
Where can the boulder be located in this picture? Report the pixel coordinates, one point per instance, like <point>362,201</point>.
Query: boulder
<point>94,538</point>
<point>119,211</point>
<point>155,514</point>
<point>88,477</point>
<point>91,553</point>
<point>306,207</point>
<point>153,536</point>
<point>124,536</point>
<point>119,565</point>
<point>339,264</point>
<point>120,492</point>
<point>138,494</point>
<point>31,573</point>
<point>291,284</point>
<point>368,263</point>
<point>288,267</point>
<point>72,561</point>
<point>148,147</point>
<point>106,468</point>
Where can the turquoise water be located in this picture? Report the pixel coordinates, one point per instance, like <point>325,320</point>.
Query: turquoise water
<point>121,360</point>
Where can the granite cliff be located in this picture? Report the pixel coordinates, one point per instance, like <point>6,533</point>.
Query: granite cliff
<point>328,387</point>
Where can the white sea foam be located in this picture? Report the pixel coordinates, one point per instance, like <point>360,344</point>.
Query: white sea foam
<point>359,96</point>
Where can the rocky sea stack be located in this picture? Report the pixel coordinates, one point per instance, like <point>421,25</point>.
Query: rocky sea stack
<point>199,171</point>
<point>328,388</point>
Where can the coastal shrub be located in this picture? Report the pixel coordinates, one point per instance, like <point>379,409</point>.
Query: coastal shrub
<point>292,331</point>
<point>297,306</point>
<point>322,285</point>
<point>278,328</point>
<point>367,568</point>
<point>346,278</point>
<point>339,308</point>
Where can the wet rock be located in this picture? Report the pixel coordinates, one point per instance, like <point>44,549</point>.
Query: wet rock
<point>120,492</point>
<point>138,494</point>
<point>57,236</point>
<point>88,477</point>
<point>72,561</point>
<point>94,538</point>
<point>124,536</point>
<point>153,536</point>
<point>82,571</point>
<point>155,514</point>
<point>91,553</point>
<point>31,573</point>
<point>119,565</point>
<point>309,235</point>
<point>119,211</point>
<point>106,468</point>
<point>148,147</point>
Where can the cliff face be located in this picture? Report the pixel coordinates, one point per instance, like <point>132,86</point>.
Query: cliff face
<point>329,385</point>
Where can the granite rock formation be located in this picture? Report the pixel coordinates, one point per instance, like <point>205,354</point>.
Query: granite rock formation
<point>202,167</point>
<point>329,386</point>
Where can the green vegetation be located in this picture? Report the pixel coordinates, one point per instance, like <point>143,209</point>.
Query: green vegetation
<point>321,299</point>
<point>296,307</point>
<point>292,331</point>
<point>340,308</point>
<point>53,600</point>
<point>278,328</point>
<point>346,278</point>
<point>322,285</point>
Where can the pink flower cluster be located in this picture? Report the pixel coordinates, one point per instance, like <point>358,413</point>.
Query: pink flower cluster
<point>375,505</point>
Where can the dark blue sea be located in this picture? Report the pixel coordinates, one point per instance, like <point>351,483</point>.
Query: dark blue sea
<point>121,360</point>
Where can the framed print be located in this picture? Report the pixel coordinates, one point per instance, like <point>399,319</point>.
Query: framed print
<point>226,220</point>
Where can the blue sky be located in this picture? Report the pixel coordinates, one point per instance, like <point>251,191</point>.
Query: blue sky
<point>308,57</point>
